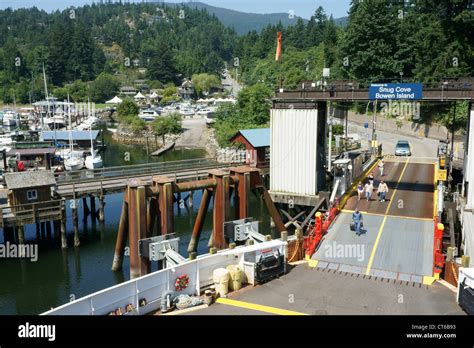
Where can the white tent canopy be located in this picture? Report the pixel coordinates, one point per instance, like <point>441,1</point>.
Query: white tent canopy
<point>153,95</point>
<point>139,96</point>
<point>114,100</point>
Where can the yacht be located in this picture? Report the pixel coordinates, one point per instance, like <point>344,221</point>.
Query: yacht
<point>187,112</point>
<point>57,121</point>
<point>6,142</point>
<point>10,119</point>
<point>149,114</point>
<point>74,163</point>
<point>207,112</point>
<point>94,160</point>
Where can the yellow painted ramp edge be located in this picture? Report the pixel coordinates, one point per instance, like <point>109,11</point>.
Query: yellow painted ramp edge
<point>257,307</point>
<point>311,263</point>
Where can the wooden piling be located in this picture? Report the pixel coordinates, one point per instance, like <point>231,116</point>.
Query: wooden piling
<point>48,229</point>
<point>242,196</point>
<point>85,208</point>
<point>21,234</point>
<point>280,226</point>
<point>101,207</point>
<point>43,229</point>
<point>56,229</point>
<point>63,224</point>
<point>165,204</point>
<point>121,239</point>
<point>151,216</point>
<point>75,224</point>
<point>199,222</point>
<point>190,201</point>
<point>137,229</point>
<point>63,231</point>
<point>93,211</point>
<point>221,208</point>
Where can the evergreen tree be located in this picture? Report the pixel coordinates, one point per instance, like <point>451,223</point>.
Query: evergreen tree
<point>81,59</point>
<point>161,66</point>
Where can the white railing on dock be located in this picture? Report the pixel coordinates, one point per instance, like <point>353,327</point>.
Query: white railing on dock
<point>152,286</point>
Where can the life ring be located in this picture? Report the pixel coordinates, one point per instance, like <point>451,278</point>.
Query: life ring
<point>181,282</point>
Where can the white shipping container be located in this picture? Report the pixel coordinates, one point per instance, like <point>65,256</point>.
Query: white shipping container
<point>293,151</point>
<point>469,163</point>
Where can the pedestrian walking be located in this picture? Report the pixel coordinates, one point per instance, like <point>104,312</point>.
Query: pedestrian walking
<point>369,189</point>
<point>381,165</point>
<point>360,190</point>
<point>371,178</point>
<point>357,220</point>
<point>382,191</point>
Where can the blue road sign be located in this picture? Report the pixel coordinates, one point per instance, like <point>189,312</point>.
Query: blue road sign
<point>396,91</point>
<point>366,125</point>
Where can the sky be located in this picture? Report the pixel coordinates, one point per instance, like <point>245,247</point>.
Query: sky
<point>301,8</point>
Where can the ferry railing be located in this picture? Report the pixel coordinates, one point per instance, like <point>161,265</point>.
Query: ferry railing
<point>144,293</point>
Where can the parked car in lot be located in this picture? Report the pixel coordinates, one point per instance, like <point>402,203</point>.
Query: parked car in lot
<point>403,148</point>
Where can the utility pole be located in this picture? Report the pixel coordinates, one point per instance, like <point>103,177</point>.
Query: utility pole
<point>453,129</point>
<point>374,135</point>
<point>331,111</point>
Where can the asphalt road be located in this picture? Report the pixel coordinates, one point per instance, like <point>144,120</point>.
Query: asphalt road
<point>421,147</point>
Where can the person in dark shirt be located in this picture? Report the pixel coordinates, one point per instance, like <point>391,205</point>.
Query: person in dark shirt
<point>357,219</point>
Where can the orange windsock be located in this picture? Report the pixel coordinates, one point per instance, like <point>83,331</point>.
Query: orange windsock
<point>278,51</point>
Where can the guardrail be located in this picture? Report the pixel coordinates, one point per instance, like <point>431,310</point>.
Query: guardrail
<point>124,172</point>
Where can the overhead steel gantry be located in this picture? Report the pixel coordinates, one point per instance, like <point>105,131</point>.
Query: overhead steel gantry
<point>308,97</point>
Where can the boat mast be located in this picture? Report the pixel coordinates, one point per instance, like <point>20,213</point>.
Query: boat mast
<point>90,128</point>
<point>70,126</point>
<point>47,101</point>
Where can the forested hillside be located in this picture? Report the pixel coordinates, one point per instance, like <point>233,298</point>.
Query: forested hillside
<point>97,46</point>
<point>79,44</point>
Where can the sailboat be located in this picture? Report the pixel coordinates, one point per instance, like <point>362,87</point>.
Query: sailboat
<point>72,162</point>
<point>93,161</point>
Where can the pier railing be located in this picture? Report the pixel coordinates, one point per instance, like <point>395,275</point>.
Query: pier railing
<point>31,213</point>
<point>138,170</point>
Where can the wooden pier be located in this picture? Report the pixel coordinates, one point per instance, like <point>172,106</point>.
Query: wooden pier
<point>93,186</point>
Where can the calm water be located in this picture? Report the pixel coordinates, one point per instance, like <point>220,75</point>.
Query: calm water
<point>60,275</point>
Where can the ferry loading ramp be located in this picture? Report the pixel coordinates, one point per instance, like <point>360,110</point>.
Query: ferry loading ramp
<point>398,237</point>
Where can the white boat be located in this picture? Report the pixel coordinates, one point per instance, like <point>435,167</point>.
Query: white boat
<point>68,153</point>
<point>94,161</point>
<point>206,112</point>
<point>74,163</point>
<point>148,114</point>
<point>187,112</point>
<point>5,140</point>
<point>10,119</point>
<point>56,121</point>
